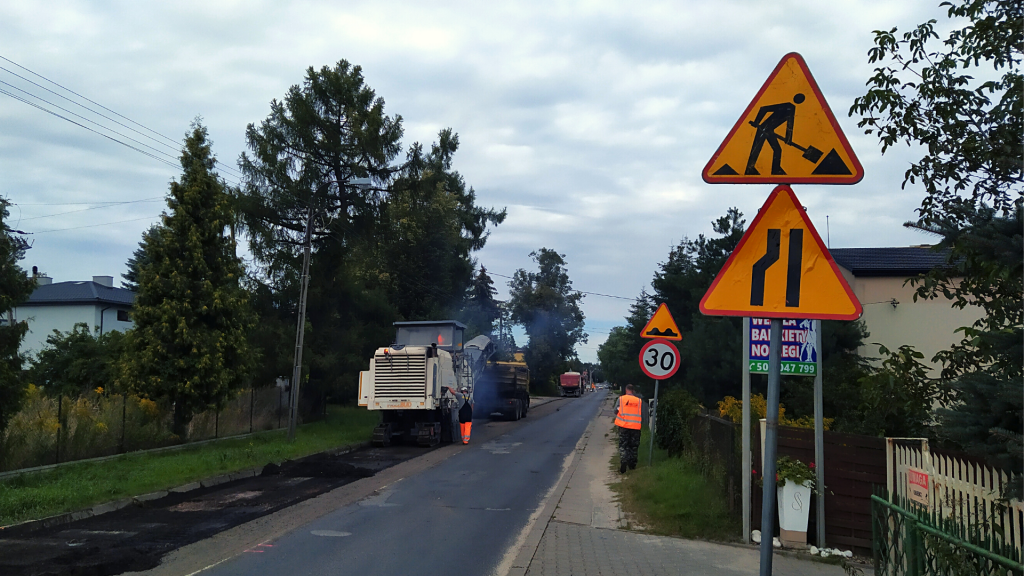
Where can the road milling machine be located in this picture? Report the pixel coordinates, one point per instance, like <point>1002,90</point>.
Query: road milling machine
<point>414,383</point>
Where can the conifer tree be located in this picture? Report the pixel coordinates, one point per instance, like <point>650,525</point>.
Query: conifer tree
<point>189,345</point>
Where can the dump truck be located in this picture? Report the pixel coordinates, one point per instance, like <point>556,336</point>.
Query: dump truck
<point>414,383</point>
<point>569,383</point>
<point>504,389</point>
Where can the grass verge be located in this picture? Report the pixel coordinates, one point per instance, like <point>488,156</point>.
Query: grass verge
<point>672,497</point>
<point>77,486</point>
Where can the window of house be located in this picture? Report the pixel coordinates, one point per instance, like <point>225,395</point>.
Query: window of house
<point>122,316</point>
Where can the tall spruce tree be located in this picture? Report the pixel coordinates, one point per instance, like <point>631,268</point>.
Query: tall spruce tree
<point>190,342</point>
<point>482,311</point>
<point>15,288</point>
<point>431,227</point>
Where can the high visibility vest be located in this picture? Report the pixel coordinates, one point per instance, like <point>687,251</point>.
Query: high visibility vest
<point>629,412</point>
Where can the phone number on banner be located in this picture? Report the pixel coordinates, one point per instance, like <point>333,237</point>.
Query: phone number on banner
<point>801,368</point>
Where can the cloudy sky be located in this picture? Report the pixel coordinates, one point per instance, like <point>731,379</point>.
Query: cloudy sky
<point>589,121</point>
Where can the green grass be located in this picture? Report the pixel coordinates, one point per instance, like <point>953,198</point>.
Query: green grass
<point>673,498</point>
<point>77,486</point>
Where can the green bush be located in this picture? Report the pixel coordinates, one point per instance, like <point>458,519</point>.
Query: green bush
<point>675,409</point>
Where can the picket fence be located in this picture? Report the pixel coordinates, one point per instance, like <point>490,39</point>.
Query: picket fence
<point>965,491</point>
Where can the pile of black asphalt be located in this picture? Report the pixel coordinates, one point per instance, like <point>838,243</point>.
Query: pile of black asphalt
<point>136,537</point>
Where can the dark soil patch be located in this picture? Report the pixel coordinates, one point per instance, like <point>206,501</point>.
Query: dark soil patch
<point>135,538</point>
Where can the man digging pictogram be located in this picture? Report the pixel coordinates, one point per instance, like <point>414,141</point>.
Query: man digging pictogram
<point>768,119</point>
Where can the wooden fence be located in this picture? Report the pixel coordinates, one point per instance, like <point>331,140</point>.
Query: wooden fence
<point>959,488</point>
<point>854,468</point>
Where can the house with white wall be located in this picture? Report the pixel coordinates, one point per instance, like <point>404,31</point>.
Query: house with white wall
<point>878,277</point>
<point>61,305</point>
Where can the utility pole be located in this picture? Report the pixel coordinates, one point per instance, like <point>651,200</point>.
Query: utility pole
<point>300,330</point>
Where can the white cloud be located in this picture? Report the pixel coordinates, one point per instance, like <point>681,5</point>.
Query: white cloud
<point>590,121</point>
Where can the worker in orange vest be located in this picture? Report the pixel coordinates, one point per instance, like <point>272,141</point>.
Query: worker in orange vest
<point>628,418</point>
<point>465,415</point>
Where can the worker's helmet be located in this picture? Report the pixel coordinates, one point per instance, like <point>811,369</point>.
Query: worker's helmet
<point>464,390</point>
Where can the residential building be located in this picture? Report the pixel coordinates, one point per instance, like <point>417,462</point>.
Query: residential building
<point>61,305</point>
<point>879,277</point>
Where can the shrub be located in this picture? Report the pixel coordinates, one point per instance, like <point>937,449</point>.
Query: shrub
<point>675,409</point>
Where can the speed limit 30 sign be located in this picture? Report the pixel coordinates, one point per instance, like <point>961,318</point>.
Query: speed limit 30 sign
<point>659,359</point>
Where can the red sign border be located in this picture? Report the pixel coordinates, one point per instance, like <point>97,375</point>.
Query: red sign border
<point>670,345</point>
<point>787,315</point>
<point>858,172</point>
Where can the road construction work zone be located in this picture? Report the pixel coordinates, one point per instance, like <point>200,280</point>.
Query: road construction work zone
<point>787,134</point>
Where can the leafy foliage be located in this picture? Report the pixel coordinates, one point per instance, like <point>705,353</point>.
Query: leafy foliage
<point>793,470</point>
<point>732,408</point>
<point>15,288</point>
<point>549,309</point>
<point>961,102</point>
<point>76,362</point>
<point>675,408</point>
<point>190,342</point>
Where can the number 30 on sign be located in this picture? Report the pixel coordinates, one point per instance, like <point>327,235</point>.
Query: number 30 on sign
<point>659,359</point>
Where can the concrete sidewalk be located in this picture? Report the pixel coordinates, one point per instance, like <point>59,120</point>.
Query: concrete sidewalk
<point>584,534</point>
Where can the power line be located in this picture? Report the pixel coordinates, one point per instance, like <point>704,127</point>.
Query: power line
<point>107,205</point>
<point>93,122</point>
<point>95,225</point>
<point>224,168</point>
<point>580,291</point>
<point>125,144</point>
<point>107,136</point>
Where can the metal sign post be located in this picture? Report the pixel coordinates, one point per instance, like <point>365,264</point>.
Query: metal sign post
<point>745,427</point>
<point>659,359</point>
<point>654,423</point>
<point>819,440</point>
<point>770,444</point>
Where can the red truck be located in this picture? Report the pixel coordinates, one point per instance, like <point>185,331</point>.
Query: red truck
<point>570,384</point>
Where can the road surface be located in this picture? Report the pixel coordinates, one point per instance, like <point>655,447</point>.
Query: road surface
<point>462,516</point>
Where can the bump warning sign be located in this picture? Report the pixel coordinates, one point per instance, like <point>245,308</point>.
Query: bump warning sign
<point>661,325</point>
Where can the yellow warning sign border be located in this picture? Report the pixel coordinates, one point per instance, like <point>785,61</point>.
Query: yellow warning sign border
<point>858,171</point>
<point>663,306</point>
<point>788,315</point>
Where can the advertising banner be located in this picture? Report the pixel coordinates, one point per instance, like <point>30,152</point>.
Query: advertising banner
<point>799,353</point>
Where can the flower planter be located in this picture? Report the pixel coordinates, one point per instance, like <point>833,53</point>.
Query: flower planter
<point>794,501</point>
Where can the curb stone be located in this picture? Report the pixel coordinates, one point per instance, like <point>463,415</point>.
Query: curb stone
<point>104,507</point>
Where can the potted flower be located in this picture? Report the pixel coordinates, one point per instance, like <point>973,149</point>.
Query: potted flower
<point>794,482</point>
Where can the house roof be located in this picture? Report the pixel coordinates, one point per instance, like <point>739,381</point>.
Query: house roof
<point>85,292</point>
<point>903,262</point>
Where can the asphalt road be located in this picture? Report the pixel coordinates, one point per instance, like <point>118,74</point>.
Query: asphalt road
<point>462,516</point>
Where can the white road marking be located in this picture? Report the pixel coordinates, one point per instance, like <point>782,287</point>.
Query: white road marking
<point>333,533</point>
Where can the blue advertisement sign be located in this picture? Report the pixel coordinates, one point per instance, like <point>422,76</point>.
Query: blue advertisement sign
<point>799,349</point>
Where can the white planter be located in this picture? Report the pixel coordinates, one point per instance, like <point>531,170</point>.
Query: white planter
<point>794,506</point>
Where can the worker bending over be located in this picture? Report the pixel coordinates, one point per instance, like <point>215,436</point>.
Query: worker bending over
<point>628,419</point>
<point>465,415</point>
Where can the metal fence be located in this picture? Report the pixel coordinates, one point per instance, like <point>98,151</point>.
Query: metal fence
<point>913,542</point>
<point>57,430</point>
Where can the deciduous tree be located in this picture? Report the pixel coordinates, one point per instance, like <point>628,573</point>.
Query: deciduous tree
<point>959,99</point>
<point>545,304</point>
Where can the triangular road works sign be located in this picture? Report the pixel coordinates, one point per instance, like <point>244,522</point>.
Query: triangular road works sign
<point>787,135</point>
<point>781,269</point>
<point>661,325</point>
